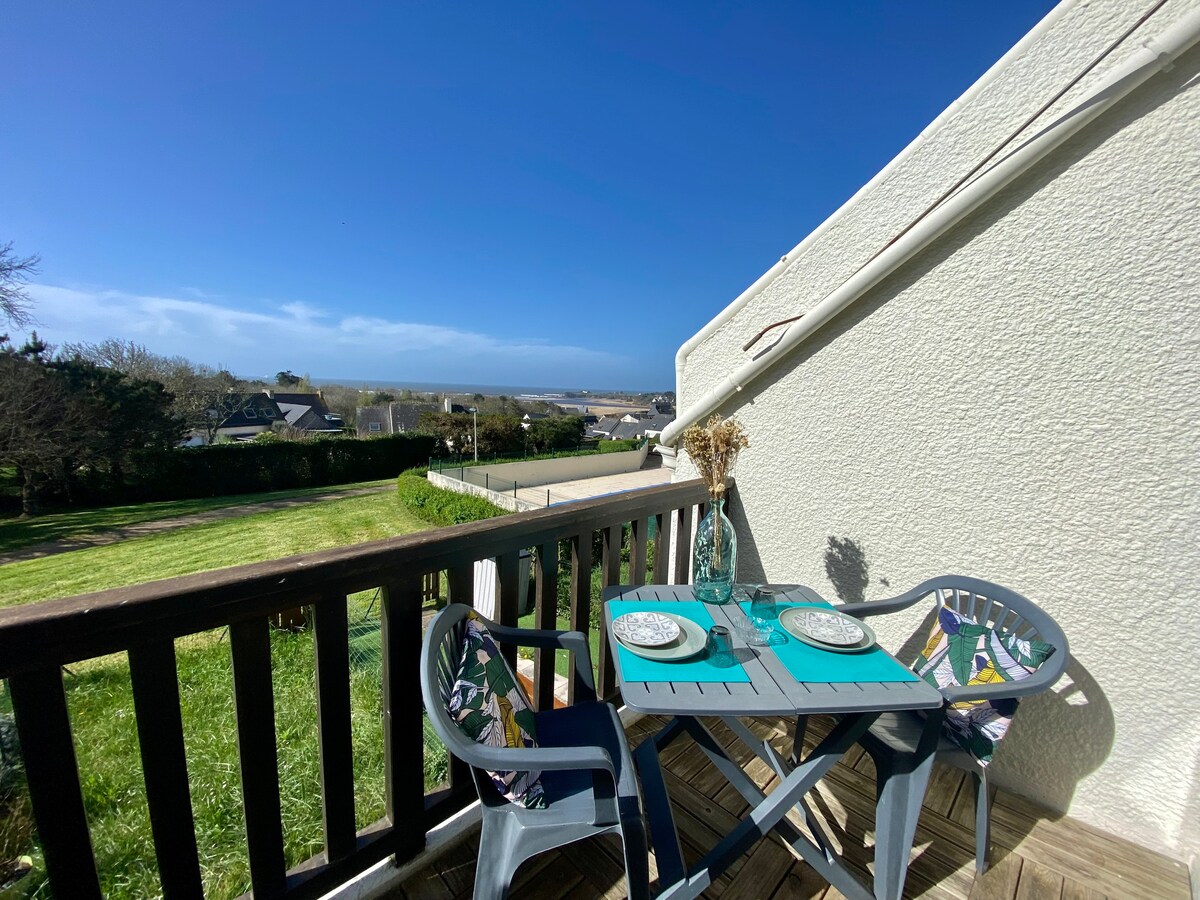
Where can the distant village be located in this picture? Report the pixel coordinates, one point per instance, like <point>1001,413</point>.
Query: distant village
<point>249,415</point>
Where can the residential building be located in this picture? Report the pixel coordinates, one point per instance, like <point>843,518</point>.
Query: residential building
<point>1009,389</point>
<point>391,418</point>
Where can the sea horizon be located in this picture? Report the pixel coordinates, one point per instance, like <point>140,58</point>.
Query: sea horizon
<point>488,390</point>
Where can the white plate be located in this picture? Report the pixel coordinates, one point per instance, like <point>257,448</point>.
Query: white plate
<point>691,641</point>
<point>646,629</point>
<point>813,626</point>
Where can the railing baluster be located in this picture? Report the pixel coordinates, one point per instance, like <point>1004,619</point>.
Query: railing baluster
<point>461,581</point>
<point>250,642</point>
<point>509,575</point>
<point>682,546</point>
<point>44,727</point>
<point>332,659</point>
<point>545,616</point>
<point>637,550</point>
<point>581,597</point>
<point>403,734</point>
<point>662,547</point>
<point>155,679</point>
<point>610,574</point>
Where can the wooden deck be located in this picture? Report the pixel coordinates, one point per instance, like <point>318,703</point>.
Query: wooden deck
<point>1035,855</point>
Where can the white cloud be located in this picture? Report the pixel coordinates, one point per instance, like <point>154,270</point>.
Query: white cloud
<point>305,338</point>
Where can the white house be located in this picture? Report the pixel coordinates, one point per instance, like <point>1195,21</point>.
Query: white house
<point>1010,390</point>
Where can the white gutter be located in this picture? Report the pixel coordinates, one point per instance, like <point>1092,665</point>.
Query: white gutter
<point>1156,55</point>
<point>757,288</point>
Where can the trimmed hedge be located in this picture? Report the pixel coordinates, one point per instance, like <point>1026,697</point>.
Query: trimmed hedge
<point>439,506</point>
<point>244,468</point>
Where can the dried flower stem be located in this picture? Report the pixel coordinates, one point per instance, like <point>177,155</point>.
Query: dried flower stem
<point>714,449</point>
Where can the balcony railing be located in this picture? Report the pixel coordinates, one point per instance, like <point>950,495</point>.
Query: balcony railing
<point>144,621</point>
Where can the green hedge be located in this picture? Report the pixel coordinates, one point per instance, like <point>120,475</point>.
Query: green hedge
<point>221,469</point>
<point>439,506</point>
<point>619,446</point>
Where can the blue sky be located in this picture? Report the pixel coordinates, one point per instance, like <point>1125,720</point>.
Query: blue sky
<point>553,194</point>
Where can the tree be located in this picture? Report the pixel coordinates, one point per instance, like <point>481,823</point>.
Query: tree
<point>203,397</point>
<point>41,424</point>
<point>555,433</point>
<point>287,379</point>
<point>15,272</point>
<point>62,415</point>
<point>381,397</point>
<point>452,430</point>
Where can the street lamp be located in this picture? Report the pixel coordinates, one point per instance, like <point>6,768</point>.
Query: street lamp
<point>475,421</point>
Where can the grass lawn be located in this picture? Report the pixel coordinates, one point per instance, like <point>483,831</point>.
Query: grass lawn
<point>214,545</point>
<point>16,532</point>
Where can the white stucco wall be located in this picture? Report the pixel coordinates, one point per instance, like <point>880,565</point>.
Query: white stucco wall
<point>533,473</point>
<point>1019,403</point>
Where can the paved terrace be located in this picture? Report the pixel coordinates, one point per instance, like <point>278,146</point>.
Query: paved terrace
<point>1035,854</point>
<point>566,491</point>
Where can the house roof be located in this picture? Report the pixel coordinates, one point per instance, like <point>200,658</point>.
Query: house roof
<point>246,410</point>
<point>308,412</point>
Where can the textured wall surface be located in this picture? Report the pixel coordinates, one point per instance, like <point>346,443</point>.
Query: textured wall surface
<point>1020,403</point>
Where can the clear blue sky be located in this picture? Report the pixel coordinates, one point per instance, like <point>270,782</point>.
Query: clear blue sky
<point>554,194</point>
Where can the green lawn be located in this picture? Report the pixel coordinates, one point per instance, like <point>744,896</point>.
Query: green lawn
<point>101,705</point>
<point>215,545</point>
<point>16,532</point>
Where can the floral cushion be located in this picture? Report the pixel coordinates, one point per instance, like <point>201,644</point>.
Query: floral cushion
<point>960,653</point>
<point>490,707</point>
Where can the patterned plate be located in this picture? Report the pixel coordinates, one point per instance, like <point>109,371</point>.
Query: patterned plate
<point>692,640</point>
<point>824,626</point>
<point>646,629</point>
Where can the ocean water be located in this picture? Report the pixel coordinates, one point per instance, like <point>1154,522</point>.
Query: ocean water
<point>488,390</point>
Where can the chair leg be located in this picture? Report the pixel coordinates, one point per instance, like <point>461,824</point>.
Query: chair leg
<point>982,820</point>
<point>637,860</point>
<point>495,867</point>
<point>901,792</point>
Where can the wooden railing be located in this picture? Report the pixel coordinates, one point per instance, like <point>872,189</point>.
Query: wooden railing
<point>37,641</point>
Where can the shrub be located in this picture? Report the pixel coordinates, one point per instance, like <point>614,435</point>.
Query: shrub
<point>243,468</point>
<point>619,446</point>
<point>439,506</point>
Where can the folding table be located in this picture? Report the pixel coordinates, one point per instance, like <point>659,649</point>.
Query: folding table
<point>761,684</point>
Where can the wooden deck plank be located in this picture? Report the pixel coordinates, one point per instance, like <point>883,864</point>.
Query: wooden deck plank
<point>1035,853</point>
<point>999,882</point>
<point>1038,883</point>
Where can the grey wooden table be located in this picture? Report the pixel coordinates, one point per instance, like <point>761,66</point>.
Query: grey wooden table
<point>772,690</point>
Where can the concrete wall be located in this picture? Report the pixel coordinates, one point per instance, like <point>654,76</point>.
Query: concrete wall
<point>1019,403</point>
<point>551,471</point>
<point>502,500</point>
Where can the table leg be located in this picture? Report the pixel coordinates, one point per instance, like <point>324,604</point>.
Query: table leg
<point>769,812</point>
<point>897,810</point>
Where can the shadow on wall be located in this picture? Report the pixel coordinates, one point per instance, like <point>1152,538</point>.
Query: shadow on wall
<point>846,567</point>
<point>1057,739</point>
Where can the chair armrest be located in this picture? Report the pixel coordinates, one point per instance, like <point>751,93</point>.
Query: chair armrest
<point>876,607</point>
<point>574,641</point>
<point>506,759</point>
<point>529,637</point>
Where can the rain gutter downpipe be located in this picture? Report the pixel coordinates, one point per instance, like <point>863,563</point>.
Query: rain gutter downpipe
<point>1157,54</point>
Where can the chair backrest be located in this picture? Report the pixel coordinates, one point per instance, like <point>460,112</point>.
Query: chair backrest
<point>991,604</point>
<point>441,653</point>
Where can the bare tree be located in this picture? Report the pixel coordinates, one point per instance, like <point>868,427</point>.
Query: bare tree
<point>15,272</point>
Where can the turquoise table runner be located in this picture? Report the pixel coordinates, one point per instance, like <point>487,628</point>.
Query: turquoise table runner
<point>808,663</point>
<point>696,668</point>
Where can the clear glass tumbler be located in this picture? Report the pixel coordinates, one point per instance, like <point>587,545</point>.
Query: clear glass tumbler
<point>719,647</point>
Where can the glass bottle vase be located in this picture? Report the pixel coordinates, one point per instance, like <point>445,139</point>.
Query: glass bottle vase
<point>714,557</point>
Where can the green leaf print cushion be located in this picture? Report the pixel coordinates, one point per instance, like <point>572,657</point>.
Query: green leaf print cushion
<point>961,652</point>
<point>489,706</point>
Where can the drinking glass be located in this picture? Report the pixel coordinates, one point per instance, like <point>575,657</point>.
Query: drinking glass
<point>762,608</point>
<point>719,647</point>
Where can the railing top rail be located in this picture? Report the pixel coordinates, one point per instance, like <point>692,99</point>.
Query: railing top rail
<point>56,632</point>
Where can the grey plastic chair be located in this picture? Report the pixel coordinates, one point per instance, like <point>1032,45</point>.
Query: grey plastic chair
<point>893,740</point>
<point>588,776</point>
